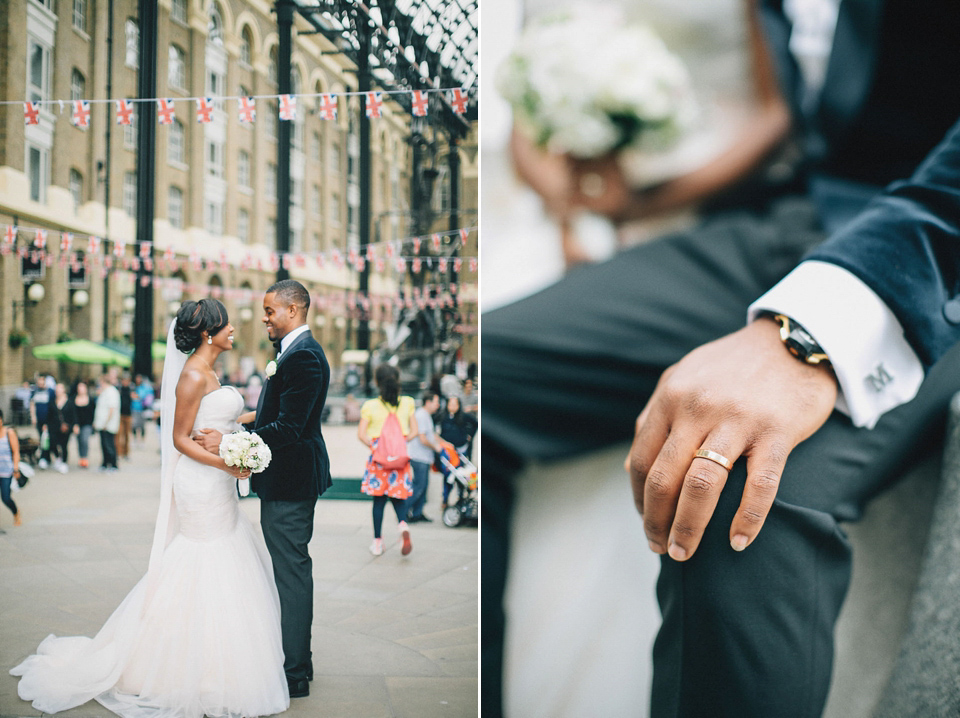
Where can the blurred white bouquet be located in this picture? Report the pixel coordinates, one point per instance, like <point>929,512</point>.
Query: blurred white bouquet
<point>245,450</point>
<point>584,82</point>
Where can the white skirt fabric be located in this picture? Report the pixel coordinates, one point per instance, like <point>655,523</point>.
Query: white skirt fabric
<point>209,641</point>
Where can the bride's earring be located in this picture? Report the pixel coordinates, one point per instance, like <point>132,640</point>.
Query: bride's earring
<point>209,340</point>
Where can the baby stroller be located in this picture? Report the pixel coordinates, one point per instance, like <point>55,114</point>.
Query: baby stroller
<point>461,474</point>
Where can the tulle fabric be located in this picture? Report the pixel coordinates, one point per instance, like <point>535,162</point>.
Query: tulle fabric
<point>208,642</point>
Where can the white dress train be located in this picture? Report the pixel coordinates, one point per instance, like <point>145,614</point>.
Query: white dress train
<point>209,641</point>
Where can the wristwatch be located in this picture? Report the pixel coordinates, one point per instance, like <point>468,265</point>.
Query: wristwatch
<point>798,341</point>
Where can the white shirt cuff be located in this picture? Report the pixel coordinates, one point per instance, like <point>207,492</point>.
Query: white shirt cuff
<point>876,367</point>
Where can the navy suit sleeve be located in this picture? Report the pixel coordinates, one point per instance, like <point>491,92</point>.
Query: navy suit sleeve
<point>304,373</point>
<point>906,247</point>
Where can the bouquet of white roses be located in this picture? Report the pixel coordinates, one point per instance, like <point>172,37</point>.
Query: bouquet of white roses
<point>584,83</point>
<point>247,451</point>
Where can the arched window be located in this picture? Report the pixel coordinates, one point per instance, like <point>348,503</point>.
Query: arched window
<point>246,45</point>
<point>77,85</point>
<point>177,68</point>
<point>178,10</point>
<point>76,187</point>
<point>274,71</point>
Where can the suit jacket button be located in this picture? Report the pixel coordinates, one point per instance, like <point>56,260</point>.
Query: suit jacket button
<point>951,310</point>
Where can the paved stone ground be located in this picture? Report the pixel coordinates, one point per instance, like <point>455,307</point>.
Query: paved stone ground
<point>392,636</point>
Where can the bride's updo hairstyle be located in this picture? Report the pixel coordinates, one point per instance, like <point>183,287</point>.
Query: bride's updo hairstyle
<point>207,315</point>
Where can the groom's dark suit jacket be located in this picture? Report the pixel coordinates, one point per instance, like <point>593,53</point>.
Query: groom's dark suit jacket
<point>888,115</point>
<point>288,420</point>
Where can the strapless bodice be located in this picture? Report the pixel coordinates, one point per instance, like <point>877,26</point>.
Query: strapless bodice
<point>219,410</point>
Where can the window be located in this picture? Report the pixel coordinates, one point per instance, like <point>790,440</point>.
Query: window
<point>243,226</point>
<point>77,85</point>
<point>215,159</point>
<point>38,79</point>
<point>315,147</point>
<point>272,72</point>
<point>76,187</point>
<point>133,43</point>
<point>243,169</point>
<point>315,200</point>
<point>178,11</point>
<point>37,166</point>
<point>271,186</point>
<point>335,208</point>
<point>214,217</point>
<point>80,15</point>
<point>176,68</point>
<point>175,144</point>
<point>175,207</point>
<point>335,158</point>
<point>130,131</point>
<point>273,121</point>
<point>271,236</point>
<point>246,46</point>
<point>130,193</point>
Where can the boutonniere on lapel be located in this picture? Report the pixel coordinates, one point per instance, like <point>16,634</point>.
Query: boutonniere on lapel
<point>271,368</point>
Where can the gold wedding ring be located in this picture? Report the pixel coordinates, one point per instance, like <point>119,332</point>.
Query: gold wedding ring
<point>714,457</point>
<point>592,185</point>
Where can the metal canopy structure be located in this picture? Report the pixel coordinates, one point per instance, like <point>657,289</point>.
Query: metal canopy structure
<point>411,45</point>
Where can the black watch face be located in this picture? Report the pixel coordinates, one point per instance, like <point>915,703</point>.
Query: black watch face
<point>798,347</point>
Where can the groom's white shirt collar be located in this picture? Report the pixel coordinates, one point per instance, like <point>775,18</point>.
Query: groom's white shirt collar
<point>288,340</point>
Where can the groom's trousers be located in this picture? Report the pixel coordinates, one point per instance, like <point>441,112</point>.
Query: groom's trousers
<point>287,530</point>
<point>567,371</point>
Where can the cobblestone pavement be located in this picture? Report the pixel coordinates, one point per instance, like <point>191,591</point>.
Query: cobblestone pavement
<point>393,636</point>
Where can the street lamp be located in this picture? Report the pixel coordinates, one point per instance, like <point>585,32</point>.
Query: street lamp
<point>173,306</point>
<point>246,314</point>
<point>80,299</point>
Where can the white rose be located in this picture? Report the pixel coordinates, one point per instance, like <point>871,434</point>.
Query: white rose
<point>271,368</point>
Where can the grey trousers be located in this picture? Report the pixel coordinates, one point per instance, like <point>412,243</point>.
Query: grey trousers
<point>287,530</point>
<point>568,370</point>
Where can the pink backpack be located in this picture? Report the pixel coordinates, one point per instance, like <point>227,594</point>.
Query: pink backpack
<point>391,451</point>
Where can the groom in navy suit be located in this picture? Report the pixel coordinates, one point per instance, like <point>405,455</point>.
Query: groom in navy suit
<point>783,380</point>
<point>288,421</point>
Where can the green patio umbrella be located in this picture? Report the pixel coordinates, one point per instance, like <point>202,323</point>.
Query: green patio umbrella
<point>81,351</point>
<point>158,350</point>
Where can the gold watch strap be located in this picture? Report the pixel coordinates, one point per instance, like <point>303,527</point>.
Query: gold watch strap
<point>785,329</point>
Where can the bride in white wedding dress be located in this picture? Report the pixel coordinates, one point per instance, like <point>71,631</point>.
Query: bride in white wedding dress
<point>200,633</point>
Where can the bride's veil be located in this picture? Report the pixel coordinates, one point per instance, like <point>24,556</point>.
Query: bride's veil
<point>167,523</point>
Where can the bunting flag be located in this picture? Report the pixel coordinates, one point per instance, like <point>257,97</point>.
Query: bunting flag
<point>81,113</point>
<point>40,239</point>
<point>145,249</point>
<point>288,107</point>
<point>416,245</point>
<point>165,111</point>
<point>204,110</point>
<point>119,247</point>
<point>473,265</point>
<point>435,241</point>
<point>459,101</point>
<point>10,235</point>
<point>93,246</point>
<point>419,104</point>
<point>463,236</point>
<point>328,107</point>
<point>248,109</point>
<point>374,104</point>
<point>124,112</point>
<point>415,265</point>
<point>457,264</point>
<point>66,240</point>
<point>31,113</point>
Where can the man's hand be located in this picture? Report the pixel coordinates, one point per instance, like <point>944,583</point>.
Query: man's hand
<point>209,439</point>
<point>742,395</point>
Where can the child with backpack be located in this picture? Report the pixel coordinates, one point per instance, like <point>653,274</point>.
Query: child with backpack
<point>386,424</point>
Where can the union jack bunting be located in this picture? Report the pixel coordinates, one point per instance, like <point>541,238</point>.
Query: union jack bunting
<point>81,113</point>
<point>124,112</point>
<point>374,104</point>
<point>248,109</point>
<point>31,113</point>
<point>119,247</point>
<point>463,236</point>
<point>66,239</point>
<point>442,264</point>
<point>435,239</point>
<point>420,102</point>
<point>473,265</point>
<point>10,236</point>
<point>40,239</point>
<point>457,264</point>
<point>288,107</point>
<point>145,248</point>
<point>328,107</point>
<point>165,111</point>
<point>415,265</point>
<point>459,101</point>
<point>204,110</point>
<point>416,245</point>
<point>93,245</point>
<point>168,254</point>
<point>286,261</point>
